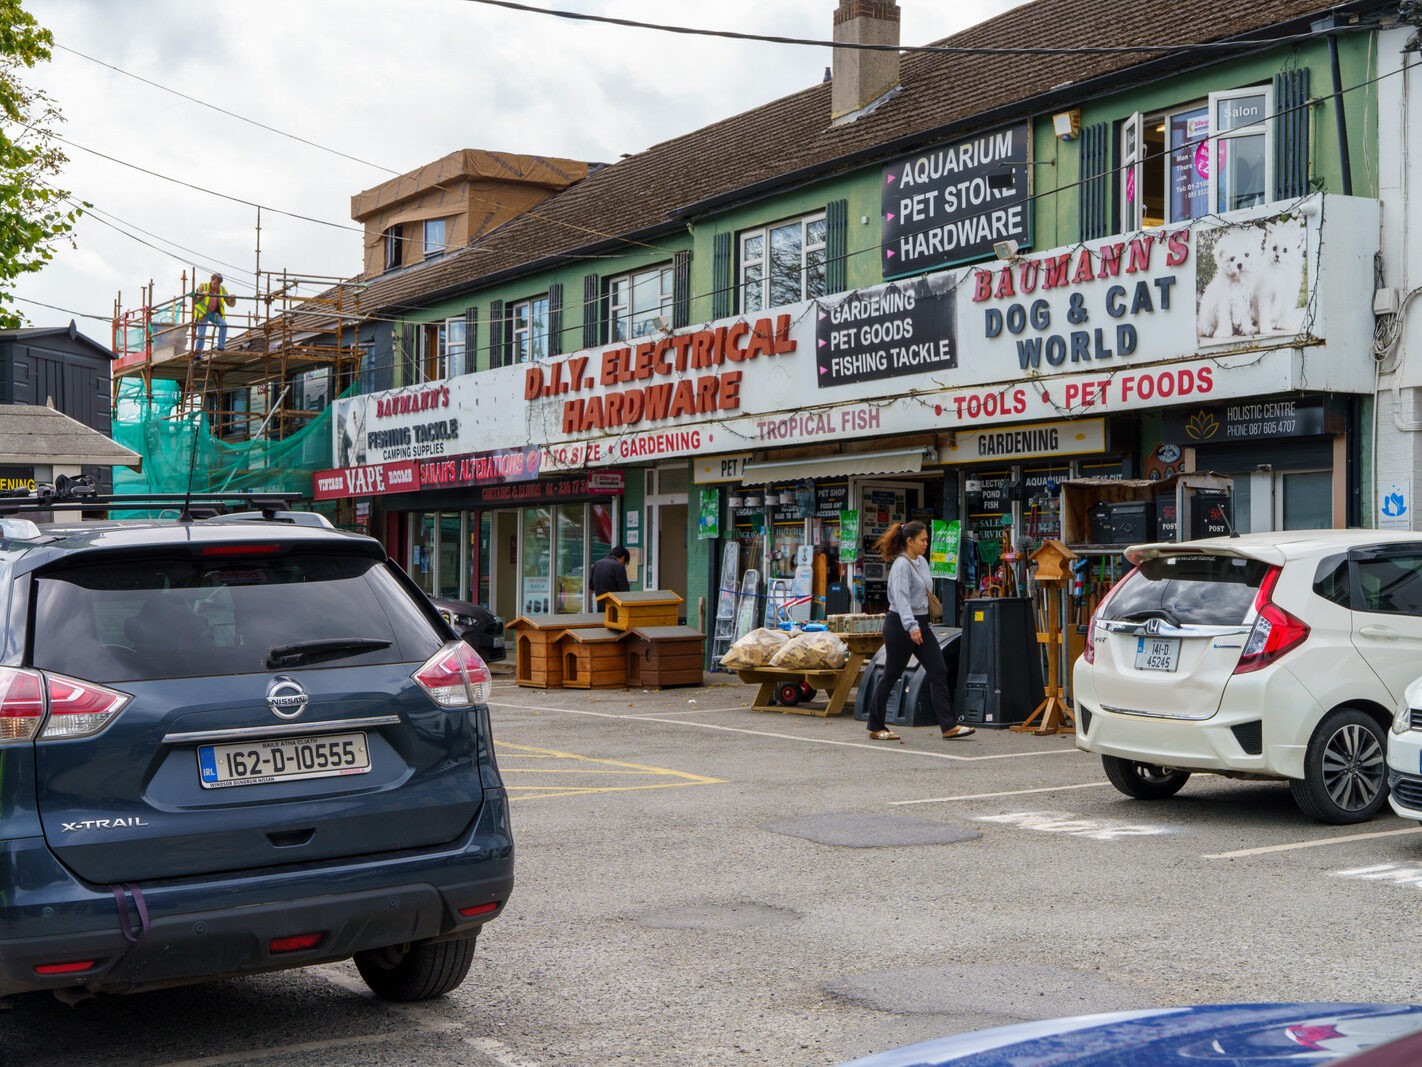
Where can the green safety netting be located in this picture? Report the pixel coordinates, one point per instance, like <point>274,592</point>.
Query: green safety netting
<point>173,445</point>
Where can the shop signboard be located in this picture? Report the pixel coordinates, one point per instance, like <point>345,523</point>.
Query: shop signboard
<point>375,480</point>
<point>12,478</point>
<point>606,483</point>
<point>544,491</point>
<point>888,331</point>
<point>1137,321</point>
<point>952,203</point>
<point>1064,437</point>
<point>848,536</point>
<point>708,522</point>
<point>943,548</point>
<point>830,499</point>
<point>718,468</point>
<point>1250,420</point>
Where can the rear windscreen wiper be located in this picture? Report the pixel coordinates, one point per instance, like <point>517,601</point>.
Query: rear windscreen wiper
<point>330,648</point>
<point>1150,613</point>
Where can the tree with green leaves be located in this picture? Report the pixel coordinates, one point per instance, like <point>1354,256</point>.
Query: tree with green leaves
<point>33,213</point>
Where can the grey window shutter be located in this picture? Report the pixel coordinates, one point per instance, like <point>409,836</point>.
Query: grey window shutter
<point>407,353</point>
<point>1096,177</point>
<point>836,246</point>
<point>555,319</point>
<point>471,338</point>
<point>496,333</point>
<point>1291,134</point>
<point>723,276</point>
<point>592,310</point>
<point>681,289</point>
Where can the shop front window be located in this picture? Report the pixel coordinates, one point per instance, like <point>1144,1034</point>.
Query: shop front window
<point>1307,500</point>
<point>600,534</point>
<point>537,556</point>
<point>448,573</point>
<point>569,572</point>
<point>422,551</point>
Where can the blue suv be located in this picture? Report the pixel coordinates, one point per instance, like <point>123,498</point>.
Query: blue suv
<point>231,745</point>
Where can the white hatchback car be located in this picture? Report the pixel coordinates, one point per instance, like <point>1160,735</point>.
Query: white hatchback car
<point>1273,655</point>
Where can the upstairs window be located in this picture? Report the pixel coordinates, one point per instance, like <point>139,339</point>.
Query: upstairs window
<point>394,247</point>
<point>636,301</point>
<point>783,264</point>
<point>434,237</point>
<point>451,348</point>
<point>1208,156</point>
<point>529,338</point>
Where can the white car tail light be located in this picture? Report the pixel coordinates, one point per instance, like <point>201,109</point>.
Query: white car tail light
<point>79,709</point>
<point>1275,630</point>
<point>1088,651</point>
<point>455,677</point>
<point>21,704</point>
<point>76,708</point>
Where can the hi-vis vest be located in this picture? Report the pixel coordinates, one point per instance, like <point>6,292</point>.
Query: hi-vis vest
<point>202,296</point>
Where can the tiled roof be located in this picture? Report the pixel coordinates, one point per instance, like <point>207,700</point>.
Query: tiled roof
<point>640,192</point>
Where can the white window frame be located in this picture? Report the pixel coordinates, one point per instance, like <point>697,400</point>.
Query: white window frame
<point>452,347</point>
<point>623,322</point>
<point>1132,147</point>
<point>530,340</point>
<point>1256,129</point>
<point>754,293</point>
<point>433,248</point>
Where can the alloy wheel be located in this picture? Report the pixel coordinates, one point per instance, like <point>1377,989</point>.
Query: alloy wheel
<point>1353,767</point>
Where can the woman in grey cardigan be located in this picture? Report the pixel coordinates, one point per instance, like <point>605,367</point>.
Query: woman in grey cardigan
<point>906,630</point>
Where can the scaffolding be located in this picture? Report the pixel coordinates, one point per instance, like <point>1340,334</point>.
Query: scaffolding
<point>235,417</point>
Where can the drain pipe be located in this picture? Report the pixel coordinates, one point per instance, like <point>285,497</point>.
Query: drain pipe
<point>1345,164</point>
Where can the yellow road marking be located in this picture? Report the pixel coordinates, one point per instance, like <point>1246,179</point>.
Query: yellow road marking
<point>510,752</point>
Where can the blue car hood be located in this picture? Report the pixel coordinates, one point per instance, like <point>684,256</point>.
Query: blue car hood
<point>1241,1035</point>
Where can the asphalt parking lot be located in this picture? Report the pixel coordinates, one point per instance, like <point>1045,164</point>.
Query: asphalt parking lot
<point>701,883</point>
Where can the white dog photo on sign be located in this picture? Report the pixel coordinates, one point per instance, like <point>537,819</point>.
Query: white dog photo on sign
<point>1278,285</point>
<point>1226,306</point>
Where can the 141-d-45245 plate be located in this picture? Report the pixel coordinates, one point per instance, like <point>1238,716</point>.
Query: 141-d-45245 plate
<point>1157,653</point>
<point>283,759</point>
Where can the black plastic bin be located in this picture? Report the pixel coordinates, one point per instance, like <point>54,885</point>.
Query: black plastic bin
<point>910,702</point>
<point>999,665</point>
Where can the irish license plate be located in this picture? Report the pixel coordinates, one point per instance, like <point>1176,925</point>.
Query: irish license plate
<point>285,759</point>
<point>1157,653</point>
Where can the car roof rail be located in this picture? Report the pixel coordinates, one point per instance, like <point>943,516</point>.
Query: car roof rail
<point>77,494</point>
<point>313,519</point>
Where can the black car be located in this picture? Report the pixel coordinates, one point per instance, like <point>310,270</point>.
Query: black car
<point>476,624</point>
<point>232,745</point>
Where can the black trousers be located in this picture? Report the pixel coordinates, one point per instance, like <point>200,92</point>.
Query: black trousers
<point>898,647</point>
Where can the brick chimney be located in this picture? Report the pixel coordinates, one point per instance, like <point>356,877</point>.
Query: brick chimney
<point>863,75</point>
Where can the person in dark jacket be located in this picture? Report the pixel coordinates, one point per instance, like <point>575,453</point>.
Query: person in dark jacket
<point>609,574</point>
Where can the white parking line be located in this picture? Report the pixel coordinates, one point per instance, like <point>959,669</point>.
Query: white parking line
<point>1309,844</point>
<point>877,746</point>
<point>990,796</point>
<point>690,711</point>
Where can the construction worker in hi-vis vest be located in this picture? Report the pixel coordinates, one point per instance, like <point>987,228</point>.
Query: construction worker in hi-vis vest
<point>207,307</point>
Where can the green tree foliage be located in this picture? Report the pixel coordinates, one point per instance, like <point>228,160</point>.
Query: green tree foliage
<point>33,216</point>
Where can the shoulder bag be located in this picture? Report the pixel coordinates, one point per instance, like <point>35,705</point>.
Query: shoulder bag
<point>935,606</point>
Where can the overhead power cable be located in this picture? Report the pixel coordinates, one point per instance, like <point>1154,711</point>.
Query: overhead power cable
<point>225,111</point>
<point>959,50</point>
<point>67,311</point>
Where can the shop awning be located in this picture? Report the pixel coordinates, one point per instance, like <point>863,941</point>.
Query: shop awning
<point>893,461</point>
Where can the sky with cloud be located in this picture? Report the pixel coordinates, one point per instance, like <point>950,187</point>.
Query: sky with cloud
<point>392,83</point>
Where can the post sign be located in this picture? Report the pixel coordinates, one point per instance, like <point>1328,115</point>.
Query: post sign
<point>952,203</point>
<point>886,332</point>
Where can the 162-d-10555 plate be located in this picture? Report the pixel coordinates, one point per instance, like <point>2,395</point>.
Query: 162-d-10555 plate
<point>283,759</point>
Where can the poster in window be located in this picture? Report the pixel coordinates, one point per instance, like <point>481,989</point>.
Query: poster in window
<point>848,536</point>
<point>943,548</point>
<point>1189,164</point>
<point>708,522</point>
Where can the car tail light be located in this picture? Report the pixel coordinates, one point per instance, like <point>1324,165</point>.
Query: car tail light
<point>295,943</point>
<point>64,968</point>
<point>79,709</point>
<point>237,551</point>
<point>21,704</point>
<point>455,677</point>
<point>1088,652</point>
<point>1275,631</point>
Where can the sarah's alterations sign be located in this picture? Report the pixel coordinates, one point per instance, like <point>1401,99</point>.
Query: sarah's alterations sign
<point>952,204</point>
<point>886,332</point>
